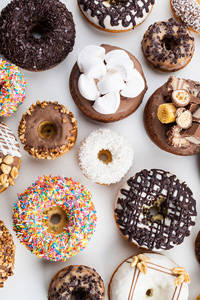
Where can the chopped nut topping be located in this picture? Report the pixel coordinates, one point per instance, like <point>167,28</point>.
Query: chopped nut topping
<point>134,261</point>
<point>14,173</point>
<point>183,276</point>
<point>5,169</point>
<point>180,279</point>
<point>8,159</point>
<point>142,267</point>
<point>140,261</point>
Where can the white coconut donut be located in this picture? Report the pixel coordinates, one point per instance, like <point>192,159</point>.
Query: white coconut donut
<point>158,283</point>
<point>105,156</point>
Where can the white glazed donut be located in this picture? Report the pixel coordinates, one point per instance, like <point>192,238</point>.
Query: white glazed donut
<point>115,15</point>
<point>105,156</point>
<point>158,283</point>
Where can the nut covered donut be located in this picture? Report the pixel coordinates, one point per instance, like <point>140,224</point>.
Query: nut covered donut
<point>168,46</point>
<point>149,276</point>
<point>115,15</point>
<point>47,130</point>
<point>154,210</point>
<point>36,34</point>
<point>77,282</point>
<point>188,11</point>
<point>7,254</point>
<point>55,218</point>
<point>105,156</point>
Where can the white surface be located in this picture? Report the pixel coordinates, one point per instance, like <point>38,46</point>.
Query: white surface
<point>107,249</point>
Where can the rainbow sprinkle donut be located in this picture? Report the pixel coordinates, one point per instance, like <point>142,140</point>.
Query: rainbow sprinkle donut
<point>12,88</point>
<point>52,199</point>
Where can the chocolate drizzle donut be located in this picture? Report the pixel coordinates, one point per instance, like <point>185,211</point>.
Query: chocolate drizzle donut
<point>36,34</point>
<point>115,15</point>
<point>154,210</point>
<point>168,46</point>
<point>76,282</point>
<point>47,130</point>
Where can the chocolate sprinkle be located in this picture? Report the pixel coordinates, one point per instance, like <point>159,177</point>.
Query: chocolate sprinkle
<point>79,282</point>
<point>126,12</point>
<point>133,210</point>
<point>51,19</point>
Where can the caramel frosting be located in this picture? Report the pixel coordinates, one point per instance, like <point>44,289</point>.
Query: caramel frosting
<point>127,105</point>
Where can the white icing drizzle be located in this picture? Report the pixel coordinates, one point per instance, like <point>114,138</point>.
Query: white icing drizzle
<point>8,143</point>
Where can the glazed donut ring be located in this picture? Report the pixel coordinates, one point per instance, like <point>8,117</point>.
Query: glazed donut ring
<point>168,46</point>
<point>117,152</point>
<point>154,210</point>
<point>20,23</point>
<point>76,282</point>
<point>55,218</point>
<point>115,15</point>
<point>188,11</point>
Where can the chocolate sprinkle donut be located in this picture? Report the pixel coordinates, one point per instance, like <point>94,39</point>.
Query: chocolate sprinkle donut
<point>78,283</point>
<point>168,46</point>
<point>162,192</point>
<point>36,34</point>
<point>124,12</point>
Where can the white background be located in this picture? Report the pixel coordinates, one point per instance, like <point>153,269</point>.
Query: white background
<point>107,248</point>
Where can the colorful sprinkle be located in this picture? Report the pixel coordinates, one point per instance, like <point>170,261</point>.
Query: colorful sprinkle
<point>12,88</point>
<point>30,220</point>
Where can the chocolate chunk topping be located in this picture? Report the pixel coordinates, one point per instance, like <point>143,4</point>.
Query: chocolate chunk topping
<point>76,282</point>
<point>36,34</point>
<point>119,11</point>
<point>173,201</point>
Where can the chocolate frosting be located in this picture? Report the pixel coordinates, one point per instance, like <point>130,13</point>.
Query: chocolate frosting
<point>157,130</point>
<point>127,105</point>
<point>79,282</point>
<point>133,210</point>
<point>117,11</point>
<point>51,17</point>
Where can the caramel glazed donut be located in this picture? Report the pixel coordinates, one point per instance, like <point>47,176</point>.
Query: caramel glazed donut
<point>78,283</point>
<point>168,46</point>
<point>36,34</point>
<point>47,130</point>
<point>154,210</point>
<point>115,15</point>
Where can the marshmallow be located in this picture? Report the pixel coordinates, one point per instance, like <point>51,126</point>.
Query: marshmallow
<point>134,86</point>
<point>88,52</point>
<point>123,65</point>
<point>110,83</point>
<point>94,67</point>
<point>115,53</point>
<point>107,104</point>
<point>88,88</point>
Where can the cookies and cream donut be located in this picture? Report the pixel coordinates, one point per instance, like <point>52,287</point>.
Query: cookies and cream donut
<point>115,15</point>
<point>54,218</point>
<point>172,116</point>
<point>188,11</point>
<point>47,130</point>
<point>12,88</point>
<point>154,210</point>
<point>105,156</point>
<point>10,157</point>
<point>168,45</point>
<point>37,34</point>
<point>149,276</point>
<point>107,83</point>
<point>77,282</point>
<point>7,254</point>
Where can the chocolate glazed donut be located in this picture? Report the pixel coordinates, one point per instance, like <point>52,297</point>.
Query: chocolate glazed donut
<point>36,34</point>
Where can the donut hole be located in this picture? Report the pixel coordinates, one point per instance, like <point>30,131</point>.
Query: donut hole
<point>149,293</point>
<point>105,156</point>
<point>56,220</point>
<point>47,130</point>
<point>80,294</point>
<point>37,30</point>
<point>168,43</point>
<point>154,211</point>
